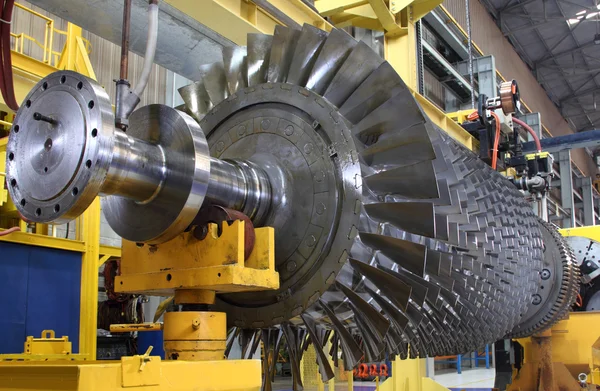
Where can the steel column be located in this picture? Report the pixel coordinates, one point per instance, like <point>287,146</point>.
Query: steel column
<point>566,188</point>
<point>588,201</point>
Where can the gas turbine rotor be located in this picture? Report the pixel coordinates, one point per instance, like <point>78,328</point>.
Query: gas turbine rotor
<point>390,236</point>
<point>444,255</point>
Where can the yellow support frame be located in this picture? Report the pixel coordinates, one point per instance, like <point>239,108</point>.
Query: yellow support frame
<point>234,19</point>
<point>27,72</point>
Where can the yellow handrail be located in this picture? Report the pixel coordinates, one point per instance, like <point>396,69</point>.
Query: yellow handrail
<point>50,56</point>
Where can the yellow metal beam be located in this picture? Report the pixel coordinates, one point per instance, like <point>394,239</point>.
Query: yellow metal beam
<point>110,251</point>
<point>234,19</point>
<point>222,375</point>
<point>439,117</point>
<point>385,16</point>
<point>43,241</point>
<point>332,7</point>
<point>88,313</point>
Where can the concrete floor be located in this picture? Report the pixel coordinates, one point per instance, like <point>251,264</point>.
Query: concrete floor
<point>470,379</point>
<point>476,379</point>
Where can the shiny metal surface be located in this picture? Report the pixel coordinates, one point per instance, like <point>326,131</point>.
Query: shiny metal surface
<point>241,186</point>
<point>587,256</point>
<point>282,51</point>
<point>186,173</point>
<point>559,285</point>
<point>137,170</point>
<point>309,43</point>
<point>55,170</point>
<point>259,46</point>
<point>391,238</point>
<point>215,82</point>
<point>332,55</point>
<point>196,99</point>
<point>234,63</point>
<point>442,253</point>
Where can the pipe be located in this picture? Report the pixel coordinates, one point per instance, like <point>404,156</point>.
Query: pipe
<point>535,137</point>
<point>8,92</point>
<point>125,40</point>
<point>496,141</point>
<point>150,47</point>
<point>9,231</point>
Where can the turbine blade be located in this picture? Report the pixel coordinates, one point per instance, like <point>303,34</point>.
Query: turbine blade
<point>259,48</point>
<point>309,44</point>
<point>213,76</point>
<point>380,86</point>
<point>415,217</point>
<point>324,367</point>
<point>234,62</point>
<point>334,52</point>
<point>361,62</point>
<point>282,51</point>
<point>409,255</point>
<point>415,181</point>
<point>396,290</point>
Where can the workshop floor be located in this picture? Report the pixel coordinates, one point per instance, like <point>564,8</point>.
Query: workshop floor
<point>476,379</point>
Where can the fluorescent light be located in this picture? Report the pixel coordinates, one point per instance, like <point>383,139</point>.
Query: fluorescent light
<point>572,21</point>
<point>591,15</point>
<point>582,12</point>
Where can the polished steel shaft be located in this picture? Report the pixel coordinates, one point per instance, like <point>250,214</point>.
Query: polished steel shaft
<point>137,169</point>
<point>241,186</point>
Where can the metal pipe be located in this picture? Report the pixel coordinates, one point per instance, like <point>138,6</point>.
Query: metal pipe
<point>150,47</point>
<point>125,40</point>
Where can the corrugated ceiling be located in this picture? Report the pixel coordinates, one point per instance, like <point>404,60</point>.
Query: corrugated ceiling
<point>556,39</point>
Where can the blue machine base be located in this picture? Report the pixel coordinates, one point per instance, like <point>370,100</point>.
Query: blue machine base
<point>39,290</point>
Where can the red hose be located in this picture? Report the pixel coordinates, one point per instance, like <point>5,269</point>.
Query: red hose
<point>496,141</point>
<point>8,92</point>
<point>536,139</point>
<point>9,231</point>
<point>2,89</point>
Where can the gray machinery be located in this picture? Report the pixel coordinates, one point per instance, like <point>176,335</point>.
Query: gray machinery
<point>388,233</point>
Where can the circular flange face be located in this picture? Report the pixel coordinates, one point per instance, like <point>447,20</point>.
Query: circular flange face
<point>306,149</point>
<point>59,147</point>
<point>182,191</point>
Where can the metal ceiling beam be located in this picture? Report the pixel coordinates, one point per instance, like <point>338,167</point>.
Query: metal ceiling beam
<point>581,94</point>
<point>585,113</point>
<point>566,52</point>
<point>516,6</point>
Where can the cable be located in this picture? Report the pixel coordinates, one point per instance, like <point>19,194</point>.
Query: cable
<point>536,139</point>
<point>9,231</point>
<point>150,48</point>
<point>67,234</point>
<point>496,141</point>
<point>8,90</point>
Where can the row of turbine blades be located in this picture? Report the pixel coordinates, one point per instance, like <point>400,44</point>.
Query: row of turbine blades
<point>448,252</point>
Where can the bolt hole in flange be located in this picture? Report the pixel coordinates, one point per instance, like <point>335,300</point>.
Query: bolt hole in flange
<point>11,156</point>
<point>48,144</point>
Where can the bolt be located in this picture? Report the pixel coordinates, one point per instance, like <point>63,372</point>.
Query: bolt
<point>40,117</point>
<point>291,266</point>
<point>546,274</point>
<point>196,324</point>
<point>537,299</point>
